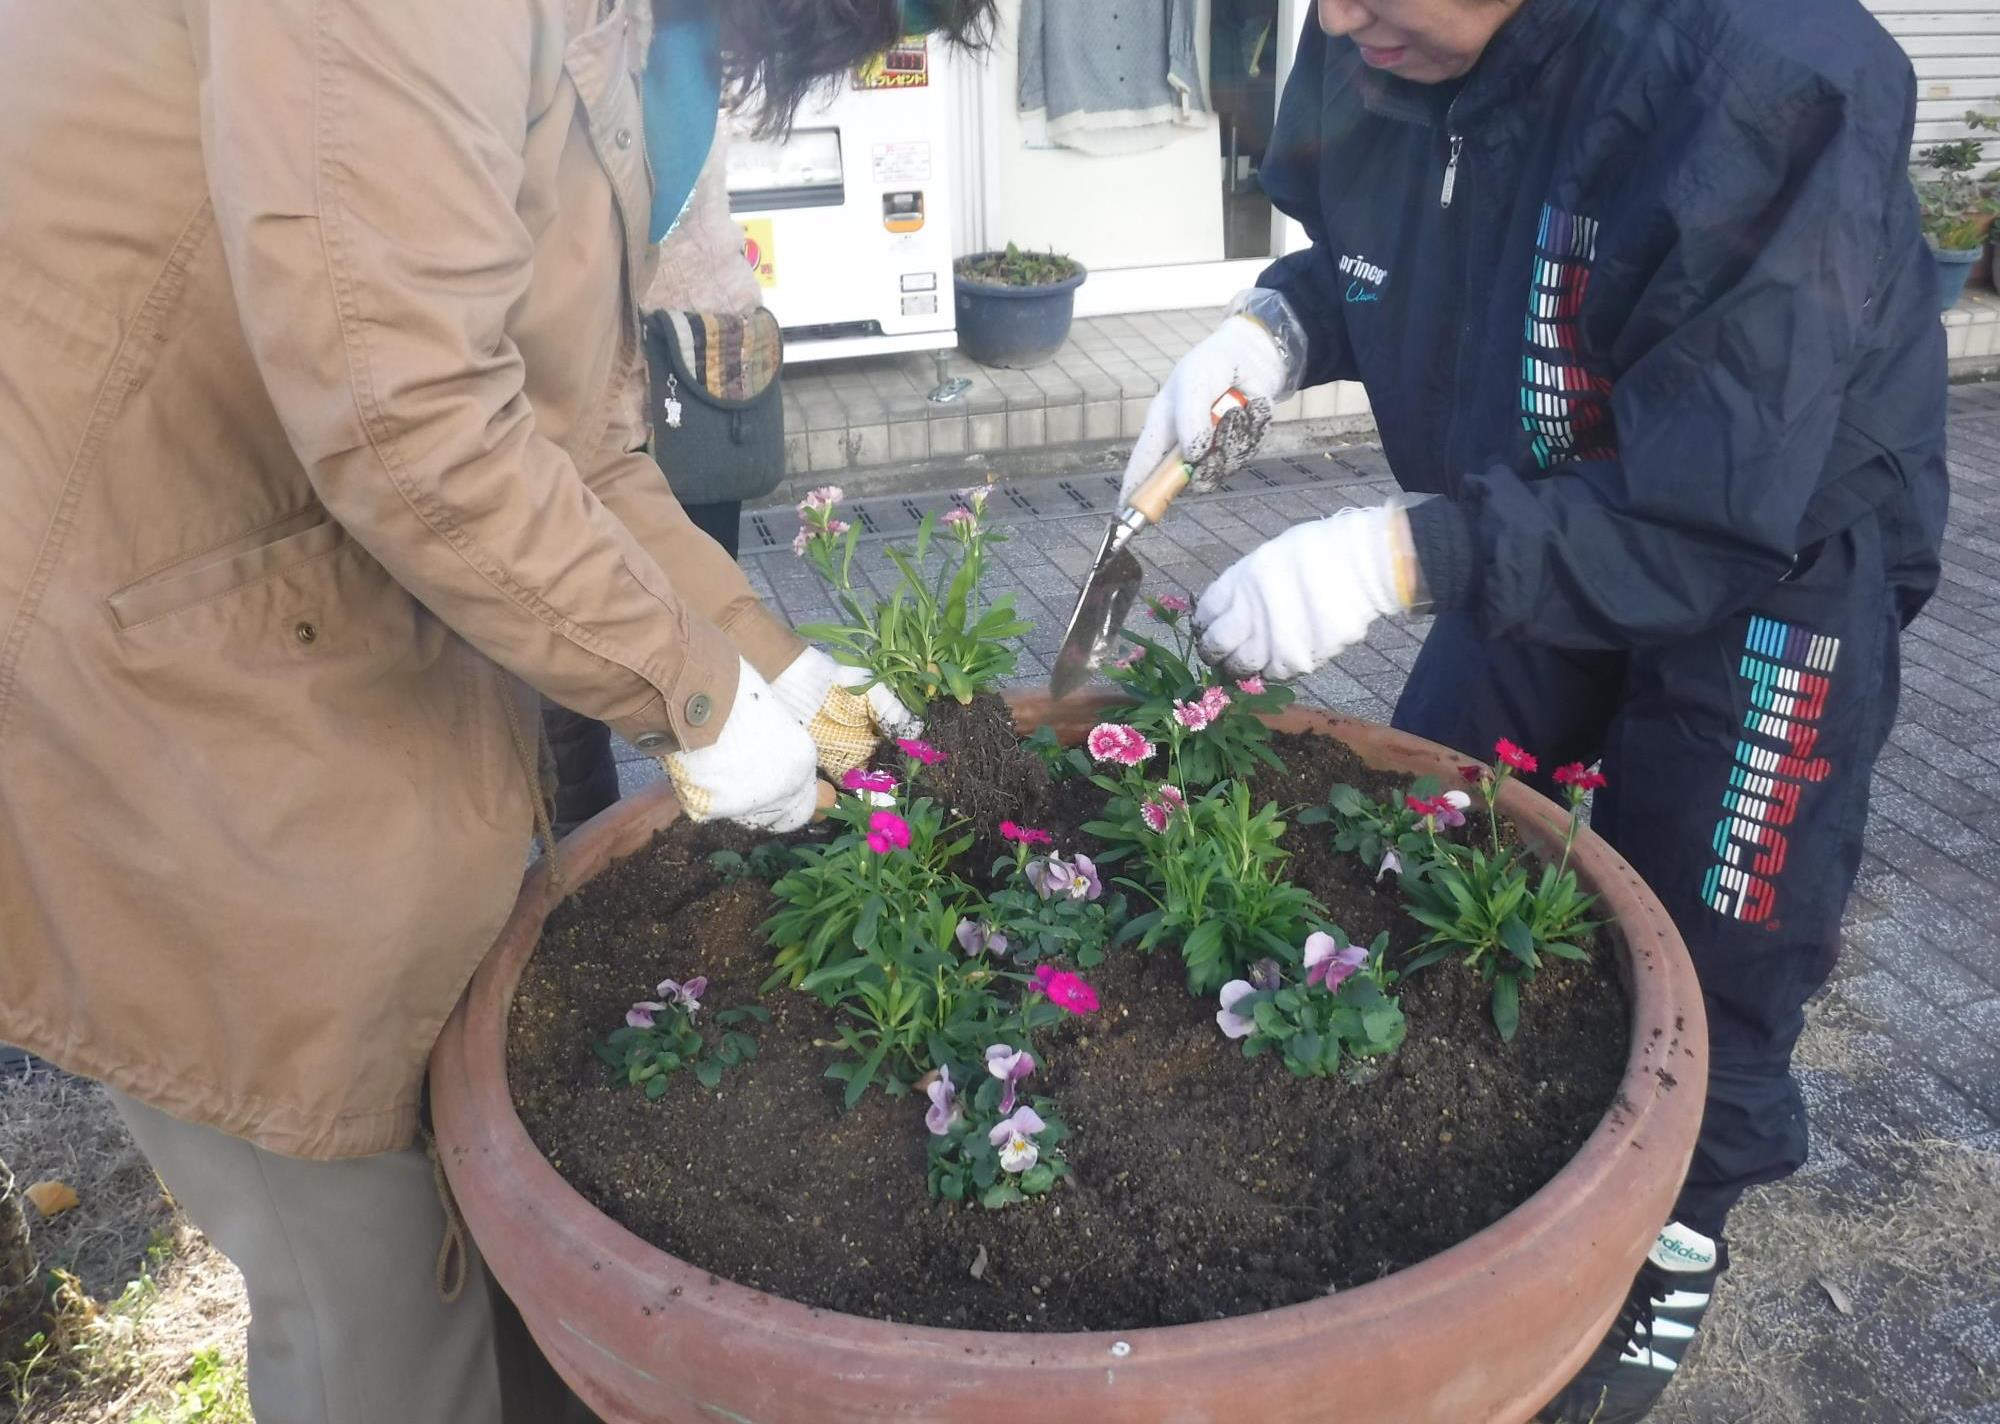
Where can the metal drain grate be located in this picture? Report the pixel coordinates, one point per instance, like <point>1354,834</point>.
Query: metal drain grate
<point>898,516</point>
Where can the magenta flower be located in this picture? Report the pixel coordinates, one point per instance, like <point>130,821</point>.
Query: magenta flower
<point>821,500</point>
<point>1233,1024</point>
<point>641,1015</point>
<point>1441,809</point>
<point>876,781</point>
<point>1392,864</point>
<point>920,751</point>
<point>977,936</point>
<point>1169,606</point>
<point>957,519</point>
<point>1159,812</point>
<point>1328,963</point>
<point>684,995</point>
<point>1130,658</point>
<point>1203,711</point>
<point>802,540</point>
<point>1065,990</point>
<point>1113,741</point>
<point>1010,1065</point>
<point>1024,835</point>
<point>945,1111</point>
<point>887,831</point>
<point>1251,686</point>
<point>1014,1136</point>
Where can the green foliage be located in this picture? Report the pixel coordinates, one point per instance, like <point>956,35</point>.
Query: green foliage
<point>934,635</point>
<point>768,861</point>
<point>212,1392</point>
<point>1957,210</point>
<point>648,1058</point>
<point>964,1165</point>
<point>1234,746</point>
<point>912,999</point>
<point>83,1344</point>
<point>1486,906</point>
<point>1312,1029</point>
<point>1370,829</point>
<point>1053,927</point>
<point>1015,268</point>
<point>836,897</point>
<point>1216,877</point>
<point>1063,762</point>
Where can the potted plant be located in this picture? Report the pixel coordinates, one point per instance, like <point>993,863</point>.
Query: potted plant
<point>1957,209</point>
<point>1098,1110</point>
<point>1015,307</point>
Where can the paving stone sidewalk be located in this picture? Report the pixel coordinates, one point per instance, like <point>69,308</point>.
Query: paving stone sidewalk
<point>1903,1062</point>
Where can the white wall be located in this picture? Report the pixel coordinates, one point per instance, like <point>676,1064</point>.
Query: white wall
<point>1955,46</point>
<point>1148,209</point>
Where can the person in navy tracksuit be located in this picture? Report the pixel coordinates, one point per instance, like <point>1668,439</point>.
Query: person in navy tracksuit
<point>1638,293</point>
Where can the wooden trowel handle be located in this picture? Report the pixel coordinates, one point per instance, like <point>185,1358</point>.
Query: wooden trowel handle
<point>1152,498</point>
<point>1164,485</point>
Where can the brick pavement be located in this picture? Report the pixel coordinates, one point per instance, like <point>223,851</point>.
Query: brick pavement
<point>1917,994</point>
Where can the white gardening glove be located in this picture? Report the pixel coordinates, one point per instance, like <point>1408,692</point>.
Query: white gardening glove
<point>844,726</point>
<point>1260,350</point>
<point>1306,596</point>
<point>758,773</point>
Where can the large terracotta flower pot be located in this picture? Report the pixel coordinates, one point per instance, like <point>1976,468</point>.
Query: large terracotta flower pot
<point>1486,1331</point>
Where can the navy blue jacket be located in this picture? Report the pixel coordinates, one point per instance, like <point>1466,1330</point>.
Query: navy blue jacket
<point>1665,323</point>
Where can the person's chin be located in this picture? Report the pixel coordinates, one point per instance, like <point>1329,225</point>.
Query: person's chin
<point>1406,63</point>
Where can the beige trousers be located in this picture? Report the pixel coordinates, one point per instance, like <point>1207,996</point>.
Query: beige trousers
<point>347,1325</point>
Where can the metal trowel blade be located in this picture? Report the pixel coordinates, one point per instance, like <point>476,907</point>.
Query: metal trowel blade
<point>1101,611</point>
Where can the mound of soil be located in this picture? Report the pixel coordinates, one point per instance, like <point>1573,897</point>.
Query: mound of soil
<point>1204,1184</point>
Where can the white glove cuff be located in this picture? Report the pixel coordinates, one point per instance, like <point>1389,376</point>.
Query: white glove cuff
<point>883,705</point>
<point>1370,543</point>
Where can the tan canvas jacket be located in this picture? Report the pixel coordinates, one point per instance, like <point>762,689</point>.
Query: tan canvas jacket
<point>319,391</point>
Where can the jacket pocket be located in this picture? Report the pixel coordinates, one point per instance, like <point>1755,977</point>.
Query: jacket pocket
<point>263,554</point>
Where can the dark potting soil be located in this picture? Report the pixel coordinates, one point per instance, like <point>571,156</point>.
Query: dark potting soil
<point>1204,1184</point>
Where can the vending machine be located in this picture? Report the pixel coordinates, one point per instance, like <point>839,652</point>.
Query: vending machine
<point>848,220</point>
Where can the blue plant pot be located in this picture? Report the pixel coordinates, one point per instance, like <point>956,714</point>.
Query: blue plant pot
<point>1014,327</point>
<point>1953,268</point>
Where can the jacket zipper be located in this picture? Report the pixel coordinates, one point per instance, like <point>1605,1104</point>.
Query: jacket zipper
<point>1452,479</point>
<point>1457,147</point>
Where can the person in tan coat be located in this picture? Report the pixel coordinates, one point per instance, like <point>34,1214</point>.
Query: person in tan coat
<point>321,451</point>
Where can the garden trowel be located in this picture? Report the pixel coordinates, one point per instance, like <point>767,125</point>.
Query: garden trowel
<point>1113,585</point>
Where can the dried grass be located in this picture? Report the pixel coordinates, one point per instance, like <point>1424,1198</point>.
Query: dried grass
<point>119,1349</point>
<point>1907,1254</point>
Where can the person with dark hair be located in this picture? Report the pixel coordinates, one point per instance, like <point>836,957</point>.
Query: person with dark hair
<point>1639,294</point>
<point>322,445</point>
<point>705,55</point>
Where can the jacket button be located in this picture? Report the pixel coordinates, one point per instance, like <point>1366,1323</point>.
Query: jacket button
<point>699,709</point>
<point>306,633</point>
<point>650,741</point>
<point>623,138</point>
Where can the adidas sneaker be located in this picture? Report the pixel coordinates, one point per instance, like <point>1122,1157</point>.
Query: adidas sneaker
<point>1622,1381</point>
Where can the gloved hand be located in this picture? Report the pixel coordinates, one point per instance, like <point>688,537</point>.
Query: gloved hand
<point>1260,350</point>
<point>844,726</point>
<point>1309,594</point>
<point>758,773</point>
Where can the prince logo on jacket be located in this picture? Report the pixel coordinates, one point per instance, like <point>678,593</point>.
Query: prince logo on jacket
<point>1787,673</point>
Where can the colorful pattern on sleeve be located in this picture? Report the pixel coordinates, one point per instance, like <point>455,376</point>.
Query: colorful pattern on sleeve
<point>1787,673</point>
<point>1565,408</point>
